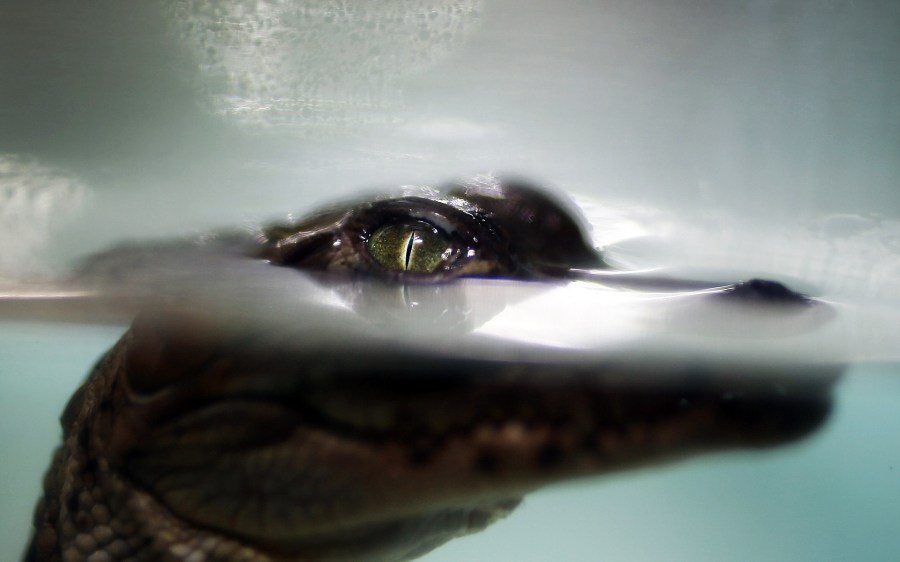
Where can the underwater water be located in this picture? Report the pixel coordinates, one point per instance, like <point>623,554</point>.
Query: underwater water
<point>759,138</point>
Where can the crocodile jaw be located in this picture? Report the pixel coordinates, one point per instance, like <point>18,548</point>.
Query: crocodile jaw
<point>320,454</point>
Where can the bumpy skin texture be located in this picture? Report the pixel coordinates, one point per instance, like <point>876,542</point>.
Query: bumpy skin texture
<point>90,512</point>
<point>94,511</point>
<point>195,440</point>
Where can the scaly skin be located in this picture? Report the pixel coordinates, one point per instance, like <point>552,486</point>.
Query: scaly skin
<point>197,439</point>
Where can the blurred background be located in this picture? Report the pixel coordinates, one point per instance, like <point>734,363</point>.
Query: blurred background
<point>755,136</point>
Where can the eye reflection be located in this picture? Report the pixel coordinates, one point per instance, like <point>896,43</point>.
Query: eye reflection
<point>416,248</point>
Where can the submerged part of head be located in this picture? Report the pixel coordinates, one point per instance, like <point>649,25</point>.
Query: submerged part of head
<point>232,440</point>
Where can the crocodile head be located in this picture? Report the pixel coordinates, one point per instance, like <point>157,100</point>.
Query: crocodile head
<point>312,431</point>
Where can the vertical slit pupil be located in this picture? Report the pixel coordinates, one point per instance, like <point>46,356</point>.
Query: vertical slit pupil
<point>411,241</point>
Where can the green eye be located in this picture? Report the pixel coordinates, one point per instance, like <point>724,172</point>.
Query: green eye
<point>418,248</point>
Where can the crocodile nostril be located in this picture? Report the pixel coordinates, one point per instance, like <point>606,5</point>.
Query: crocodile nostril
<point>764,291</point>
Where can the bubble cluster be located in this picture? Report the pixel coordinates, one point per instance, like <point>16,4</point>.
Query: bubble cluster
<point>270,62</point>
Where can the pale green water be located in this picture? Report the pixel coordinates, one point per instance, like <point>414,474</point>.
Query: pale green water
<point>759,135</point>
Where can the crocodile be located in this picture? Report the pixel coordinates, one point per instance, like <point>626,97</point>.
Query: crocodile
<point>224,429</point>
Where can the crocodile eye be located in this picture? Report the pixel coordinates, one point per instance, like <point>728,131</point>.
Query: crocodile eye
<point>415,247</point>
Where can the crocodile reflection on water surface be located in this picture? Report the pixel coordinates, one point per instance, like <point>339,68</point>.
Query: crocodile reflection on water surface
<point>200,439</point>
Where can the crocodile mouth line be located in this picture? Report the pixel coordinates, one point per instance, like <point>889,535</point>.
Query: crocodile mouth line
<point>502,426</point>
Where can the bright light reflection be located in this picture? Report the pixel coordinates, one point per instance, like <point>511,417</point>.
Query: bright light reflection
<point>575,316</point>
